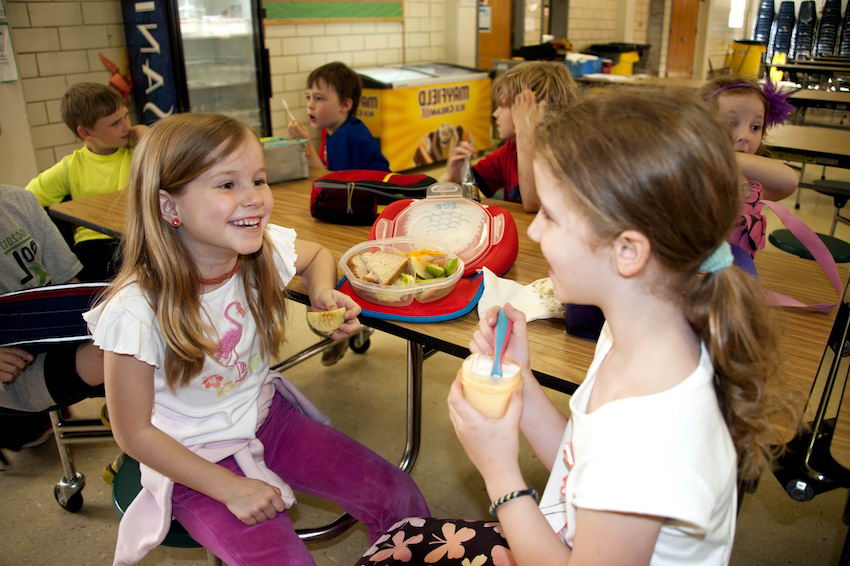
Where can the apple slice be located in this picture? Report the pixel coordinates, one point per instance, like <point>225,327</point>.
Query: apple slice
<point>451,266</point>
<point>420,267</point>
<point>326,321</point>
<point>435,270</point>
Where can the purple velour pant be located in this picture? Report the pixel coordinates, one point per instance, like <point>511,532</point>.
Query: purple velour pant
<point>312,458</point>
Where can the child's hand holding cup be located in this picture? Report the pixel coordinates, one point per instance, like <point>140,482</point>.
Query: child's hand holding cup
<point>488,382</point>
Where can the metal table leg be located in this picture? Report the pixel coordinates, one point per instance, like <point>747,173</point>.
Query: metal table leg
<point>807,468</point>
<point>415,359</point>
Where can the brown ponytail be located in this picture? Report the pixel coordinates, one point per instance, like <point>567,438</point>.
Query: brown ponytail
<point>727,311</point>
<point>661,163</point>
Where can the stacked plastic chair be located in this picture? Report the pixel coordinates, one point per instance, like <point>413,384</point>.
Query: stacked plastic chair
<point>764,21</point>
<point>844,42</point>
<point>828,28</point>
<point>804,33</point>
<point>783,29</point>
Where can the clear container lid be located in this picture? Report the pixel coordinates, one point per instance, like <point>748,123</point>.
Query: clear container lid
<point>444,70</point>
<point>390,75</point>
<point>459,225</point>
<point>404,76</point>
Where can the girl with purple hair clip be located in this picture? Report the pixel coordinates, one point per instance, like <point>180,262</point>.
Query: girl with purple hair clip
<point>750,108</point>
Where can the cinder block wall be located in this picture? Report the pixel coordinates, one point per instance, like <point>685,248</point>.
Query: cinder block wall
<point>297,49</point>
<point>595,21</point>
<point>592,21</point>
<point>641,27</point>
<point>57,45</point>
<point>533,24</point>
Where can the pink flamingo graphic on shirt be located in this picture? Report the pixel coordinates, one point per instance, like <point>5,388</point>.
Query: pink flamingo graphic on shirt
<point>226,353</point>
<point>242,369</point>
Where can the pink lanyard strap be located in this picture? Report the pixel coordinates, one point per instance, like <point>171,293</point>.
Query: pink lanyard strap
<point>818,250</point>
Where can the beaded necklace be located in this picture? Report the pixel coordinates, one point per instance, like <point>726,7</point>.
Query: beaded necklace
<point>221,278</point>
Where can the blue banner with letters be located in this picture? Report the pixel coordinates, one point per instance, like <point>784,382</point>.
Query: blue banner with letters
<point>155,56</point>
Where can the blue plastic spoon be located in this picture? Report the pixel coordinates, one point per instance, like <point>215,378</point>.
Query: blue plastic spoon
<point>503,334</point>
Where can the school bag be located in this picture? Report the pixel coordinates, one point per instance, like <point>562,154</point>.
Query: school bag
<point>352,197</point>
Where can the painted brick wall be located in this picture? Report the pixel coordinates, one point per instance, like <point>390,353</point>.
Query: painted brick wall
<point>533,23</point>
<point>592,21</point>
<point>296,49</point>
<point>57,45</point>
<point>641,28</point>
<point>595,21</point>
<point>719,33</point>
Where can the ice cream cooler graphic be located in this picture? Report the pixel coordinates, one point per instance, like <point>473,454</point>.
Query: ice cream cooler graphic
<point>419,113</point>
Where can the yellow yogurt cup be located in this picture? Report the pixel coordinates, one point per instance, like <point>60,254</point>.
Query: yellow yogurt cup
<point>489,394</point>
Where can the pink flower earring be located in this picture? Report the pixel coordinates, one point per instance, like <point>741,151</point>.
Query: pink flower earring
<point>176,222</point>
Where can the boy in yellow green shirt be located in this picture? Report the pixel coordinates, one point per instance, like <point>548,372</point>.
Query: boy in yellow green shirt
<point>98,116</point>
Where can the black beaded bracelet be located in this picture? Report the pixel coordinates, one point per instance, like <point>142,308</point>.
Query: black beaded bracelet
<point>512,495</point>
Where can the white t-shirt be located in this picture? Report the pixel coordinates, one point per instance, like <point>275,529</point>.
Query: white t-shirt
<point>668,454</point>
<point>221,402</point>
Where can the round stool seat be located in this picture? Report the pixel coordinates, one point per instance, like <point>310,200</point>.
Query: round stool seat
<point>786,241</point>
<point>127,484</point>
<point>838,190</point>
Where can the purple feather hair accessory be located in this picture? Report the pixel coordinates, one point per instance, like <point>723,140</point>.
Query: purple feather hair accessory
<point>778,107</point>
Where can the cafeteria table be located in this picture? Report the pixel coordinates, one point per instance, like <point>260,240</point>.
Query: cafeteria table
<point>806,98</point>
<point>559,361</point>
<point>828,72</point>
<point>810,144</point>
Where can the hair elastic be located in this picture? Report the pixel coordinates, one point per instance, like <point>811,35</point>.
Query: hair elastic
<point>719,259</point>
<point>778,108</point>
<point>512,495</point>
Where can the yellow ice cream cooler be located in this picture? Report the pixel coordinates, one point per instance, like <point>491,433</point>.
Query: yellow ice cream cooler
<point>419,113</point>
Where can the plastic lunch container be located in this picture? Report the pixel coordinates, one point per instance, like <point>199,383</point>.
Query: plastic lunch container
<point>458,225</point>
<point>400,296</point>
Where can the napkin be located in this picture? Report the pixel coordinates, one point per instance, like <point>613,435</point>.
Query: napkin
<point>536,299</point>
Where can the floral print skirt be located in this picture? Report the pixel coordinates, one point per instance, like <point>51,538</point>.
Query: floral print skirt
<point>440,541</point>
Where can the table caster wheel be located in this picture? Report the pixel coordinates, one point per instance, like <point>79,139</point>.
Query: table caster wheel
<point>359,346</point>
<point>360,342</point>
<point>71,504</point>
<point>799,490</point>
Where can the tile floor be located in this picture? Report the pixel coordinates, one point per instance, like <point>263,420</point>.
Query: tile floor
<point>772,528</point>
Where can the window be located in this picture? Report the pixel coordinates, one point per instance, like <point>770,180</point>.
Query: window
<point>736,13</point>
